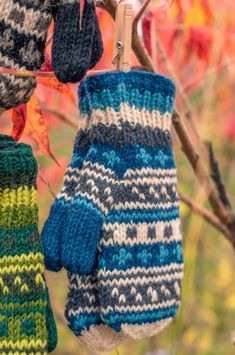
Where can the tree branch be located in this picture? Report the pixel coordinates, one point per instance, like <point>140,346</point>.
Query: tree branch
<point>204,213</point>
<point>224,214</point>
<point>61,116</point>
<point>216,176</point>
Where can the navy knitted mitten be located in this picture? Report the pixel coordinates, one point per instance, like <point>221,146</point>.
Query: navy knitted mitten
<point>75,49</point>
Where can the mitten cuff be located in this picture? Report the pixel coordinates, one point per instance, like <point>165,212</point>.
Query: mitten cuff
<point>142,90</point>
<point>128,108</point>
<point>17,165</point>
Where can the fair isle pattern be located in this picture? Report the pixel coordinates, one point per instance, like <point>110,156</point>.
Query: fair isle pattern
<point>27,324</point>
<point>82,309</point>
<point>23,31</point>
<point>83,314</point>
<point>126,191</point>
<point>55,226</point>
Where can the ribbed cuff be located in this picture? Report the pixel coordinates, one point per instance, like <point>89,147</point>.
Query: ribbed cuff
<point>5,138</point>
<point>17,165</point>
<point>142,90</point>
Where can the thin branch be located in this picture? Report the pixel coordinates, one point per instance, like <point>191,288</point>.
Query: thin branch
<point>225,215</point>
<point>61,116</point>
<point>216,176</point>
<point>204,213</point>
<point>47,183</point>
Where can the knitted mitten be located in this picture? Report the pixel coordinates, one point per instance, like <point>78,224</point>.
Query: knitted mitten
<point>26,320</point>
<point>23,31</point>
<point>83,314</point>
<point>75,49</point>
<point>82,308</point>
<point>127,187</point>
<point>55,226</point>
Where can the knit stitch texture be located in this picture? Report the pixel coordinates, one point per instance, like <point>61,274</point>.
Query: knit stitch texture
<point>23,31</point>
<point>127,193</point>
<point>27,324</point>
<point>75,48</point>
<point>82,305</point>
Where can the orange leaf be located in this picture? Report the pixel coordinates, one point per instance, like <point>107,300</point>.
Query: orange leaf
<point>53,83</point>
<point>18,117</point>
<point>36,127</point>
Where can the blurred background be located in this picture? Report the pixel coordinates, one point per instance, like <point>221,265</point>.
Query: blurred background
<point>193,42</point>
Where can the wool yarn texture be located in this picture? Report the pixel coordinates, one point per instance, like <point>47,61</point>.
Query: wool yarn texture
<point>27,324</point>
<point>23,31</point>
<point>125,219</point>
<point>55,226</point>
<point>83,313</point>
<point>82,306</point>
<point>77,43</point>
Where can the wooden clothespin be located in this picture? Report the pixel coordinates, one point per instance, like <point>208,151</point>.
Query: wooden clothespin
<point>123,37</point>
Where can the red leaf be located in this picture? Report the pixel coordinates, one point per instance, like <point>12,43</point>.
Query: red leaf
<point>36,127</point>
<point>230,128</point>
<point>19,117</point>
<point>46,66</point>
<point>146,26</point>
<point>198,40</point>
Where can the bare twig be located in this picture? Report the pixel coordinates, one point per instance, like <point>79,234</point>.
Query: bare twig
<point>47,183</point>
<point>204,213</point>
<point>216,176</point>
<point>225,215</point>
<point>61,116</point>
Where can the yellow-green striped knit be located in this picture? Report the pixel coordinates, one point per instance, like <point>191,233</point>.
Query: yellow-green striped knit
<point>27,324</point>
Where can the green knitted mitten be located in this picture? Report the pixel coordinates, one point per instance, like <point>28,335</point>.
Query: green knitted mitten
<point>27,324</point>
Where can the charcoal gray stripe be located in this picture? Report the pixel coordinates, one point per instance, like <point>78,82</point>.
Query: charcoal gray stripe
<point>127,134</point>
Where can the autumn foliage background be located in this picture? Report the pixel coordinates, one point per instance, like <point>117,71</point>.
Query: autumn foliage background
<point>192,41</point>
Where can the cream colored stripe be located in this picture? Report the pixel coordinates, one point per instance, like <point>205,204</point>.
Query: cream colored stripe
<point>120,233</point>
<point>81,310</point>
<point>152,180</point>
<point>131,173</point>
<point>136,281</point>
<point>100,167</point>
<point>139,178</point>
<point>129,114</point>
<point>139,270</point>
<point>139,308</point>
<point>144,205</point>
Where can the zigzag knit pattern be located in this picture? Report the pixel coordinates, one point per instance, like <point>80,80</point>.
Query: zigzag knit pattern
<point>82,306</point>
<point>127,188</point>
<point>27,324</point>
<point>23,31</point>
<point>56,224</point>
<point>83,314</point>
<point>77,43</point>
